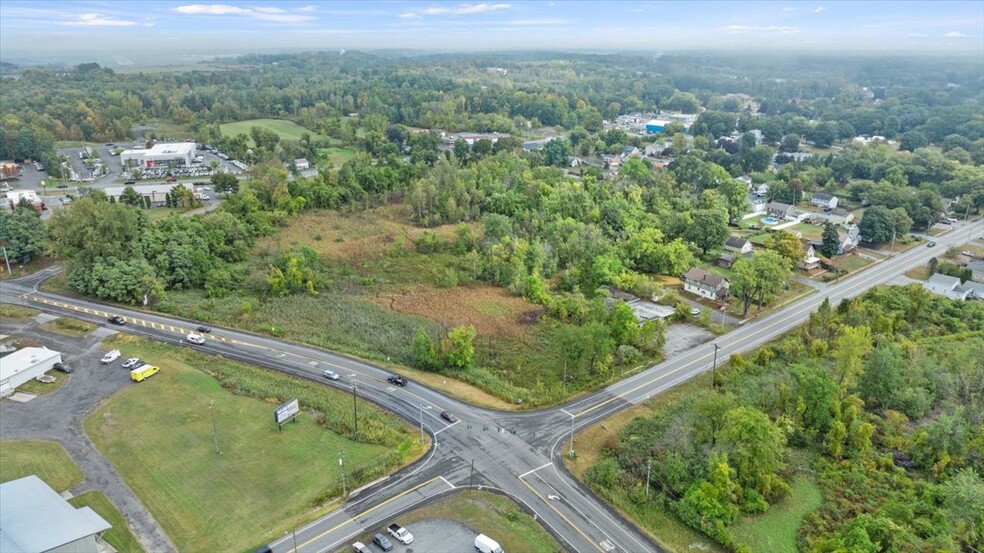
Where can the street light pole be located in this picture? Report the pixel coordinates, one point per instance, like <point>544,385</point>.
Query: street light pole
<point>341,468</point>
<point>571,454</point>
<point>421,422</point>
<point>355,407</point>
<point>565,360</point>
<point>7,261</point>
<point>215,437</point>
<point>714,366</point>
<point>649,469</point>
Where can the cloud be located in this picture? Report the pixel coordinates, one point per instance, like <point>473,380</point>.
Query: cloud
<point>307,8</point>
<point>788,9</point>
<point>820,9</point>
<point>745,29</point>
<point>462,9</point>
<point>261,13</point>
<point>540,22</point>
<point>954,34</point>
<point>97,20</point>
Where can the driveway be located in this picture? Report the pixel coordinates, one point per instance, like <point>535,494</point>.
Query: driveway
<point>58,417</point>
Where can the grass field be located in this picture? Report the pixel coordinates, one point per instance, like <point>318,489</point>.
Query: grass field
<point>40,388</point>
<point>120,536</point>
<point>158,213</point>
<point>336,155</point>
<point>9,311</point>
<point>775,530</point>
<point>48,460</point>
<point>284,129</point>
<point>485,513</point>
<point>850,263</point>
<point>263,482</point>
<point>69,326</point>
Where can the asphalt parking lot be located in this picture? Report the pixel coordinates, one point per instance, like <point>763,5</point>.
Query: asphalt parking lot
<point>429,536</point>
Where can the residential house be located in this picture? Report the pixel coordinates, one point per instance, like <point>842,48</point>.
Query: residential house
<point>846,241</point>
<point>758,204</point>
<point>302,164</point>
<point>947,286</point>
<point>976,270</point>
<point>762,189</point>
<point>780,210</point>
<point>705,284</point>
<point>810,260</point>
<point>653,150</point>
<point>612,161</point>
<point>823,200</point>
<point>644,310</point>
<point>630,151</point>
<point>738,245</point>
<point>837,217</point>
<point>976,289</point>
<point>747,180</point>
<point>575,161</point>
<point>726,260</point>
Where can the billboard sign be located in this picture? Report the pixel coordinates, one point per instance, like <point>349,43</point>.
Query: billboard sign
<point>286,412</point>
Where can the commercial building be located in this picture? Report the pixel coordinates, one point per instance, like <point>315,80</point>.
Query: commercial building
<point>24,365</point>
<point>35,519</point>
<point>656,125</point>
<point>156,192</point>
<point>14,198</point>
<point>178,154</point>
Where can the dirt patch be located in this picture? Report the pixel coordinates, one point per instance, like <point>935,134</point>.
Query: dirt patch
<point>493,312</point>
<point>354,238</point>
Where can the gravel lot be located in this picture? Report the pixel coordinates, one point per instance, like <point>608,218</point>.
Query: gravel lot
<point>58,417</point>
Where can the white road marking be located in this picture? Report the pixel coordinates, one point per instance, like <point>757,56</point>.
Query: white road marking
<point>527,473</point>
<point>446,482</point>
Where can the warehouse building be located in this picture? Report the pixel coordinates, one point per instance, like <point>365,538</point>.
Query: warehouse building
<point>656,125</point>
<point>23,365</point>
<point>156,192</point>
<point>35,519</point>
<point>178,154</point>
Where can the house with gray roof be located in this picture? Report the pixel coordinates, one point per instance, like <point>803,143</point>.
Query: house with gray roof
<point>824,200</point>
<point>947,286</point>
<point>976,270</point>
<point>705,284</point>
<point>35,519</point>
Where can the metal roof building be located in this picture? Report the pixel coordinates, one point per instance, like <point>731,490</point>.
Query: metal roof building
<point>23,365</point>
<point>180,153</point>
<point>35,519</point>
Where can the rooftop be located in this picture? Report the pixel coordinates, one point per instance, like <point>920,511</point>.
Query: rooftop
<point>35,518</point>
<point>169,148</point>
<point>700,275</point>
<point>21,359</point>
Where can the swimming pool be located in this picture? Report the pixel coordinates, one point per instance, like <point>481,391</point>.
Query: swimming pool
<point>770,220</point>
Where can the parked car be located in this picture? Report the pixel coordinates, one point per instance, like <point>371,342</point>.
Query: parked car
<point>401,534</point>
<point>330,375</point>
<point>360,547</point>
<point>695,311</point>
<point>110,357</point>
<point>397,380</point>
<point>195,339</point>
<point>448,416</point>
<point>204,329</point>
<point>382,542</point>
<point>117,320</point>
<point>63,367</point>
<point>132,363</point>
<point>485,544</point>
<point>930,244</point>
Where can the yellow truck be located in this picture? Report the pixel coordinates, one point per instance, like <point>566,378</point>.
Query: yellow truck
<point>144,372</point>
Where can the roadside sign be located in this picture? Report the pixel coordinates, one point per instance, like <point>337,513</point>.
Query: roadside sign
<point>286,412</point>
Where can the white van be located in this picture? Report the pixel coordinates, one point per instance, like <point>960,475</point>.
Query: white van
<point>485,544</point>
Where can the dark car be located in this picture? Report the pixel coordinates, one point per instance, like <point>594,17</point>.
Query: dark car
<point>930,244</point>
<point>448,416</point>
<point>117,320</point>
<point>63,367</point>
<point>129,181</point>
<point>204,329</point>
<point>382,542</point>
<point>397,380</point>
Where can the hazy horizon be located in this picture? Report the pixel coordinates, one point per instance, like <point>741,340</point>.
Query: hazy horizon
<point>119,34</point>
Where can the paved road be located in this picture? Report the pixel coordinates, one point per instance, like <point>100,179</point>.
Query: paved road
<point>517,453</point>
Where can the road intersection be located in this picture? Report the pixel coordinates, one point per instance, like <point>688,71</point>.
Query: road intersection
<point>519,454</point>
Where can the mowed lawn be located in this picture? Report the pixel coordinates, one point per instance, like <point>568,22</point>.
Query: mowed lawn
<point>775,530</point>
<point>284,129</point>
<point>119,536</point>
<point>158,435</point>
<point>48,460</point>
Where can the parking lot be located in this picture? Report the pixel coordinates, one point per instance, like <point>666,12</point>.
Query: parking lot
<point>432,536</point>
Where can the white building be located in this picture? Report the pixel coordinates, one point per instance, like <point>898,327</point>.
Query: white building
<point>302,164</point>
<point>705,284</point>
<point>35,519</point>
<point>170,154</point>
<point>24,365</point>
<point>947,286</point>
<point>156,192</point>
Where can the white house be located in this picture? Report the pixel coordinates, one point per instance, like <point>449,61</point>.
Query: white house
<point>35,519</point>
<point>738,245</point>
<point>810,260</point>
<point>947,286</point>
<point>780,210</point>
<point>302,164</point>
<point>976,270</point>
<point>823,200</point>
<point>705,284</point>
<point>24,365</point>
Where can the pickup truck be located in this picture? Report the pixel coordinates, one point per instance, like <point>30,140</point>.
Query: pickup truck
<point>401,534</point>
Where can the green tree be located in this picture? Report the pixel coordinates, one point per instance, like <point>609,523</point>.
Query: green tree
<point>458,348</point>
<point>759,278</point>
<point>912,140</point>
<point>424,351</point>
<point>829,241</point>
<point>850,346</point>
<point>623,323</point>
<point>963,498</point>
<point>735,194</point>
<point>878,224</point>
<point>816,399</point>
<point>709,229</point>
<point>787,245</point>
<point>882,378</point>
<point>23,234</point>
<point>225,182</point>
<point>756,448</point>
<point>131,197</point>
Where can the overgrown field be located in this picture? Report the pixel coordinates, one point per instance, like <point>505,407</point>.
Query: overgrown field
<point>284,129</point>
<point>159,435</point>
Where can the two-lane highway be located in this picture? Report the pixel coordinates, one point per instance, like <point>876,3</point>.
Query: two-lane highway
<point>518,454</point>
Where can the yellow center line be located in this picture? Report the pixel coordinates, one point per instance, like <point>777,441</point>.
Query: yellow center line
<point>366,512</point>
<point>561,515</point>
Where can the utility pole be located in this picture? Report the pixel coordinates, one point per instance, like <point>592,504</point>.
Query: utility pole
<point>649,469</point>
<point>215,437</point>
<point>355,407</point>
<point>421,422</point>
<point>7,261</point>
<point>714,367</point>
<point>341,468</point>
<point>565,360</point>
<point>471,478</point>
<point>571,454</point>
<point>891,251</point>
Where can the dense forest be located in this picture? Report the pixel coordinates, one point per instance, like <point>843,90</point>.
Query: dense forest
<point>883,395</point>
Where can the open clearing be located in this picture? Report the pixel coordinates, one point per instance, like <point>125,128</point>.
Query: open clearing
<point>775,530</point>
<point>263,482</point>
<point>48,460</point>
<point>284,129</point>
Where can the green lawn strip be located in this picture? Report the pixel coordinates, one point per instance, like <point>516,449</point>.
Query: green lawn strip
<point>48,460</point>
<point>33,386</point>
<point>159,213</point>
<point>119,536</point>
<point>8,311</point>
<point>851,263</point>
<point>486,513</point>
<point>284,129</point>
<point>69,326</point>
<point>158,435</point>
<point>775,530</point>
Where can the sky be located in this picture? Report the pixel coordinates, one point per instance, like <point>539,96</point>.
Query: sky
<point>125,32</point>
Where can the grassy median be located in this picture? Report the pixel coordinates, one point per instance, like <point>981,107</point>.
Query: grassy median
<point>158,435</point>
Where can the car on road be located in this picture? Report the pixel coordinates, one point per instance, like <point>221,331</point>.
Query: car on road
<point>449,416</point>
<point>117,320</point>
<point>930,244</point>
<point>360,547</point>
<point>397,380</point>
<point>129,181</point>
<point>330,375</point>
<point>132,363</point>
<point>382,542</point>
<point>195,339</point>
<point>203,329</point>
<point>695,311</point>
<point>63,367</point>
<point>110,357</point>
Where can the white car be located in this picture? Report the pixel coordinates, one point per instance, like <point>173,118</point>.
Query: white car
<point>196,338</point>
<point>330,375</point>
<point>132,363</point>
<point>695,311</point>
<point>111,356</point>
